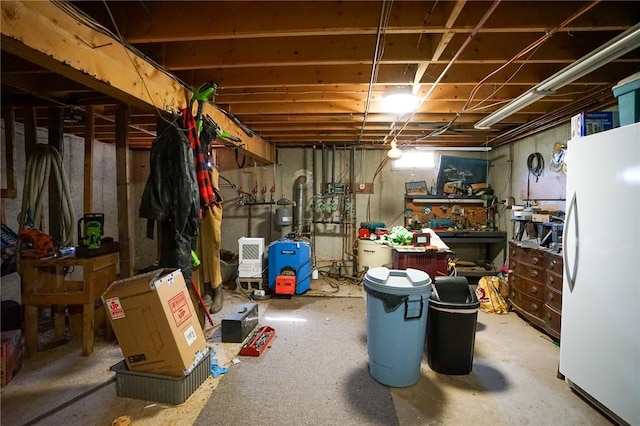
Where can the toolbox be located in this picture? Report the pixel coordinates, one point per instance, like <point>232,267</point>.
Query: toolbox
<point>237,325</point>
<point>260,340</point>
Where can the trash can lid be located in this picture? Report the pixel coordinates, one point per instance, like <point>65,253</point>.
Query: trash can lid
<point>399,282</point>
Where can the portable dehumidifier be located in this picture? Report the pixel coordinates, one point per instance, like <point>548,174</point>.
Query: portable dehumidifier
<point>251,254</point>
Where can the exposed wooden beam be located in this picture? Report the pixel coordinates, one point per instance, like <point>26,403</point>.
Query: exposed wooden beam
<point>68,47</point>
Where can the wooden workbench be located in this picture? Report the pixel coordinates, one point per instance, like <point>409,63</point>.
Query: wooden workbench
<point>44,283</point>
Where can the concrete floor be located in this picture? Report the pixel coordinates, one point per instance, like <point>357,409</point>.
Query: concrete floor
<point>513,381</point>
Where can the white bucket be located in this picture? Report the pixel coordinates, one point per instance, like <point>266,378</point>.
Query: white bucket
<point>373,255</point>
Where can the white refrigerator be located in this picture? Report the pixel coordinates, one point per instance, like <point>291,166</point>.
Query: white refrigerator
<point>600,337</point>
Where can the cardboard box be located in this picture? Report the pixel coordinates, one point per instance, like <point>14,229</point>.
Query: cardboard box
<point>11,354</point>
<point>156,323</point>
<point>544,215</point>
<point>588,123</point>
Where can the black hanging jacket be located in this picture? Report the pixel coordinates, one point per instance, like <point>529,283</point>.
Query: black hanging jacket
<point>171,191</point>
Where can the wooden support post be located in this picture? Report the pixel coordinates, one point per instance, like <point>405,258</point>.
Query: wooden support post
<point>89,132</point>
<point>56,140</point>
<point>123,184</point>
<point>10,190</point>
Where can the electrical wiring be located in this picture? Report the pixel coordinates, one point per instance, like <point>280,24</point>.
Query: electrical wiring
<point>385,13</point>
<point>529,50</point>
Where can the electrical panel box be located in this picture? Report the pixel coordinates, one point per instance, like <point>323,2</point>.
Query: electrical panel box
<point>251,254</point>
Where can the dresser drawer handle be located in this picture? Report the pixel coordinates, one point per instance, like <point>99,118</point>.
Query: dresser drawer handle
<point>533,289</point>
<point>552,264</point>
<point>534,307</point>
<point>513,295</point>
<point>534,274</point>
<point>550,296</point>
<point>548,316</point>
<point>535,259</point>
<point>550,279</point>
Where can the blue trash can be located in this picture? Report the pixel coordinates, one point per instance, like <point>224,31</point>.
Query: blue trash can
<point>397,303</point>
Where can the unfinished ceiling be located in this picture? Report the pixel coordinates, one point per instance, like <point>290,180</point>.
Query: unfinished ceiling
<point>299,73</point>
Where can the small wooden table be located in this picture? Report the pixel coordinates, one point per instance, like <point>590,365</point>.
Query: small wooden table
<point>44,283</point>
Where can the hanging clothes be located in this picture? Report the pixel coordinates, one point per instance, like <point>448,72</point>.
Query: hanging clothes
<point>171,198</point>
<point>199,153</point>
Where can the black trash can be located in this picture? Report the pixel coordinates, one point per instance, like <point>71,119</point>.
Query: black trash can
<point>451,326</point>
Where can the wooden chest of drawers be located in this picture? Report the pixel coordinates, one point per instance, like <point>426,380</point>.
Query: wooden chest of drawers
<point>535,286</point>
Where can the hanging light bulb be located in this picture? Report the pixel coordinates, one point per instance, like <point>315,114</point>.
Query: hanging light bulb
<point>400,103</point>
<point>394,153</point>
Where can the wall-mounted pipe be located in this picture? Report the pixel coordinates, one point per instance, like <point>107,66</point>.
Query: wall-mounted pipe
<point>333,166</point>
<point>314,172</point>
<point>324,168</point>
<point>352,191</point>
<point>299,196</point>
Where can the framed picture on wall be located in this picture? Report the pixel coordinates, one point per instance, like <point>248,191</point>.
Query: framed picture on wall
<point>460,172</point>
<point>416,188</point>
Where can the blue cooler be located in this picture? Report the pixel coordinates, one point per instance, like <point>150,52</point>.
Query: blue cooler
<point>397,306</point>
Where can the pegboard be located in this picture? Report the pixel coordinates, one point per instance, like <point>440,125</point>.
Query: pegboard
<point>467,215</point>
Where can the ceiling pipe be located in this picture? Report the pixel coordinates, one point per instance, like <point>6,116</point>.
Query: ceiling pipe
<point>377,57</point>
<point>529,49</point>
<point>455,57</point>
<point>616,47</point>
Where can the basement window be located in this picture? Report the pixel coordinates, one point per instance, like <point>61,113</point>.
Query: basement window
<point>415,160</point>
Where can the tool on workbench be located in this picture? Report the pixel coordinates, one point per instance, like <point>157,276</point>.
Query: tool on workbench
<point>90,230</point>
<point>35,244</point>
<point>90,237</point>
<point>258,342</point>
<point>202,94</point>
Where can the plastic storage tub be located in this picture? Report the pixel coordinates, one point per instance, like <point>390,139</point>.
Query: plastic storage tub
<point>451,326</point>
<point>397,304</point>
<point>628,93</point>
<point>373,255</point>
<point>160,388</point>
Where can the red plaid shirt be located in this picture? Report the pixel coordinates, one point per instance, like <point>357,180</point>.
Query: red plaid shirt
<point>207,197</point>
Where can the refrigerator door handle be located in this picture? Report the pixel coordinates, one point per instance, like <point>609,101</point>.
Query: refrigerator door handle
<point>572,213</point>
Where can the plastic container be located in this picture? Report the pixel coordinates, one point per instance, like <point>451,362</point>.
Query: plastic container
<point>160,388</point>
<point>373,255</point>
<point>451,326</point>
<point>628,93</point>
<point>397,304</point>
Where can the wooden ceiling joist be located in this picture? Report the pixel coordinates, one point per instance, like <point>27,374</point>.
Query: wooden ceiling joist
<point>76,51</point>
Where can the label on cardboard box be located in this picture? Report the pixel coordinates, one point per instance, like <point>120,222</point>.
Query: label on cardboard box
<point>179,308</point>
<point>190,335</point>
<point>115,308</point>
